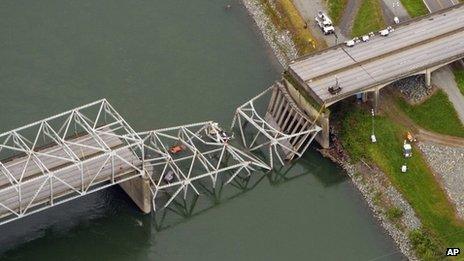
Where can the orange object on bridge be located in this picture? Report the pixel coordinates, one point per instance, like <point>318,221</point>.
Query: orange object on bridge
<point>175,149</point>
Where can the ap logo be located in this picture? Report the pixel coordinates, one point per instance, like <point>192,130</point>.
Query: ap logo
<point>452,251</point>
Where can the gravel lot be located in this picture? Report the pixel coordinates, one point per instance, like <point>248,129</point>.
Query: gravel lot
<point>308,10</point>
<point>448,163</point>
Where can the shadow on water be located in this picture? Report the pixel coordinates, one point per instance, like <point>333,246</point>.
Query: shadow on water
<point>110,214</point>
<point>181,210</point>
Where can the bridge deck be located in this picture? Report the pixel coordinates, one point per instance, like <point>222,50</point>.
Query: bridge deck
<point>37,188</point>
<point>413,45</point>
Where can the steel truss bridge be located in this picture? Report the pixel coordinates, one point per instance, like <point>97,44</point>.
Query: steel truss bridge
<point>92,147</point>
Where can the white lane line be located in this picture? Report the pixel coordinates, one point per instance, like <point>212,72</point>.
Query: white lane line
<point>426,5</point>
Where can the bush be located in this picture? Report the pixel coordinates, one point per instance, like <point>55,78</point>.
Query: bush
<point>394,213</point>
<point>426,246</point>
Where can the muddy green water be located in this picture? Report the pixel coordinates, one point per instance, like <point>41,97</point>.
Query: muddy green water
<point>165,63</point>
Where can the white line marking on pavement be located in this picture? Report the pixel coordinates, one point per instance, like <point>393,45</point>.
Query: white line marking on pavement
<point>426,5</point>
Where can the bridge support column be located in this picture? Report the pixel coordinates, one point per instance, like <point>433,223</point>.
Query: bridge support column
<point>138,190</point>
<point>324,136</point>
<point>364,97</point>
<point>376,99</point>
<point>428,78</point>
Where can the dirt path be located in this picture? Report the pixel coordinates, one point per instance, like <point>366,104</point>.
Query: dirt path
<point>393,112</point>
<point>392,8</point>
<point>346,22</point>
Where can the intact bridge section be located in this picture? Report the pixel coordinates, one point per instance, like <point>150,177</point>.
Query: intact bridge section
<point>415,47</point>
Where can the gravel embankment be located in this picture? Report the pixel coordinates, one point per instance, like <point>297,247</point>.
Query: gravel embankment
<point>448,163</point>
<point>372,183</point>
<point>413,88</point>
<point>280,41</point>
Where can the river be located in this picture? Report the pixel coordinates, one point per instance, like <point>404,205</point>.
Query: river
<point>164,63</point>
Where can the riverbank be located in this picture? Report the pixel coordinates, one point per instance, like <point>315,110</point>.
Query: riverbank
<point>383,199</point>
<point>280,41</point>
<point>386,203</point>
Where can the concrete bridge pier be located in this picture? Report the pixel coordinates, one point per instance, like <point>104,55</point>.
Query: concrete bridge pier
<point>138,189</point>
<point>428,77</point>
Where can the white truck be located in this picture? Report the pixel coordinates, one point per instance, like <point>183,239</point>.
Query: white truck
<point>324,22</point>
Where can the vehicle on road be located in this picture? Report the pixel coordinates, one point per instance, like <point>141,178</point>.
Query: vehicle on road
<point>350,43</point>
<point>386,31</point>
<point>325,23</point>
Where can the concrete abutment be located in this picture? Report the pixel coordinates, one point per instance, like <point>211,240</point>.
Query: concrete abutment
<point>320,115</point>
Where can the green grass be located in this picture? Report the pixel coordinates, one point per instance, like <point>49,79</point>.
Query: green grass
<point>425,244</point>
<point>418,185</point>
<point>415,7</point>
<point>286,17</point>
<point>459,75</point>
<point>394,214</point>
<point>294,22</point>
<point>435,114</point>
<point>336,8</point>
<point>369,18</point>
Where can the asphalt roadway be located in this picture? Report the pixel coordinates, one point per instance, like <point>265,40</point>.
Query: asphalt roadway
<point>435,5</point>
<point>409,48</point>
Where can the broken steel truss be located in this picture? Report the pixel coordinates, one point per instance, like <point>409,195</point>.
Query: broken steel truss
<point>91,147</point>
<point>201,157</point>
<point>284,132</point>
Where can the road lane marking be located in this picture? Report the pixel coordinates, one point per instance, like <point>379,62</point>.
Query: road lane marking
<point>426,5</point>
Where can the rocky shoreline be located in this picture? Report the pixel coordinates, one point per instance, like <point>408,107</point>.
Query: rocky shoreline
<point>380,195</point>
<point>370,181</point>
<point>280,41</point>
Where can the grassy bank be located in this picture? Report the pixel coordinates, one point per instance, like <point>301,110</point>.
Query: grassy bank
<point>286,17</point>
<point>369,18</point>
<point>418,185</point>
<point>415,7</point>
<point>459,75</point>
<point>444,118</point>
<point>336,8</point>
